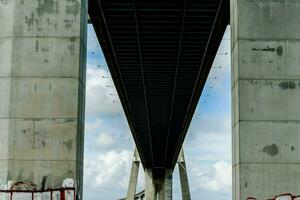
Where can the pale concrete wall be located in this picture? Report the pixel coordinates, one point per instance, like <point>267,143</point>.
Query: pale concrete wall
<point>265,93</point>
<point>42,81</point>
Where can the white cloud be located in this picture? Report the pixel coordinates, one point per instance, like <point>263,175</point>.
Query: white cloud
<point>101,98</point>
<point>90,127</point>
<point>209,139</point>
<point>108,175</point>
<point>109,170</point>
<point>104,140</point>
<point>217,178</point>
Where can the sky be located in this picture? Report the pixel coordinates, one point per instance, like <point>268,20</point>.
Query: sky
<point>109,144</point>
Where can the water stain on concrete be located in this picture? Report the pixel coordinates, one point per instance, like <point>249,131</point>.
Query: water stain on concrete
<point>272,150</point>
<point>287,85</point>
<point>43,143</point>
<point>264,49</point>
<point>29,20</point>
<point>68,23</point>
<point>73,9</point>
<point>279,51</point>
<point>71,48</point>
<point>4,1</point>
<point>45,49</point>
<point>47,6</point>
<point>69,120</point>
<point>36,46</point>
<point>68,144</point>
<point>292,148</point>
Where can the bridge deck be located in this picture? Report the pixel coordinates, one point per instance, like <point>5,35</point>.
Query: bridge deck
<point>159,53</point>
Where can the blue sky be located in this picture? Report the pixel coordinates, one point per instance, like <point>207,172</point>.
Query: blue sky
<point>109,144</point>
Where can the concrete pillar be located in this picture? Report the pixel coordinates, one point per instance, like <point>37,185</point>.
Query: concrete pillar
<point>42,80</point>
<point>185,189</point>
<point>133,176</point>
<point>150,193</point>
<point>166,191</point>
<point>265,92</point>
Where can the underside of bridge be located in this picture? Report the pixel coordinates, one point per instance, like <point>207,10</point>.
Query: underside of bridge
<point>159,53</point>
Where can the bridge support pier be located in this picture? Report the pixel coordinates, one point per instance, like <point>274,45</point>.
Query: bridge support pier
<point>150,192</point>
<point>158,189</point>
<point>165,186</point>
<point>42,87</point>
<point>133,176</point>
<point>265,93</point>
<point>185,189</point>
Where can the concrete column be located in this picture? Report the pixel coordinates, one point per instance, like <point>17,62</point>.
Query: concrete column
<point>265,92</point>
<point>165,186</point>
<point>150,192</point>
<point>42,81</point>
<point>133,176</point>
<point>185,189</point>
<point>161,191</point>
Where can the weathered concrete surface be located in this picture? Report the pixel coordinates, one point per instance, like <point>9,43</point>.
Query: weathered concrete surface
<point>166,186</point>
<point>184,182</point>
<point>265,93</point>
<point>133,176</point>
<point>150,193</point>
<point>42,80</point>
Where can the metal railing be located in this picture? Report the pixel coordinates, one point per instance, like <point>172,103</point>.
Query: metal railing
<point>25,191</point>
<point>286,196</point>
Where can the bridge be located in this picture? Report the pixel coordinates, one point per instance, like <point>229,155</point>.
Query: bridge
<point>159,54</point>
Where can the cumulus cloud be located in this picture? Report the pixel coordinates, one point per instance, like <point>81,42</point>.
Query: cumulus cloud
<point>90,127</point>
<point>216,178</point>
<point>209,139</point>
<point>104,140</point>
<point>101,96</point>
<point>108,173</point>
<point>109,169</point>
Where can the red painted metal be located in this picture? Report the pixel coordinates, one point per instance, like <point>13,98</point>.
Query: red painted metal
<point>291,197</point>
<point>62,191</point>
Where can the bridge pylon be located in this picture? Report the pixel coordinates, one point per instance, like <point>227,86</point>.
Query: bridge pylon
<point>157,189</point>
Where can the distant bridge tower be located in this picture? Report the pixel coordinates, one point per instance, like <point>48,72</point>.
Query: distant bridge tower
<point>157,189</point>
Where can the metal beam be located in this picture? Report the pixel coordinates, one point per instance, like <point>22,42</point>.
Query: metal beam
<point>143,77</point>
<point>104,37</point>
<point>175,77</point>
<point>215,38</point>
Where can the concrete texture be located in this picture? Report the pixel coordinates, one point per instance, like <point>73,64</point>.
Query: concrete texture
<point>42,81</point>
<point>265,97</point>
<point>150,193</point>
<point>184,182</point>
<point>133,176</point>
<point>166,190</point>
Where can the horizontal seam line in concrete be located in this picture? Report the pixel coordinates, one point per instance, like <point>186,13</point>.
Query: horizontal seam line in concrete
<point>41,77</point>
<point>37,160</point>
<point>267,163</point>
<point>58,37</point>
<point>267,40</point>
<point>267,79</point>
<point>264,120</point>
<point>38,118</point>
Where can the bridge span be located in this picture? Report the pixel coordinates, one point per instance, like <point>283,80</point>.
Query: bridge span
<point>159,53</point>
